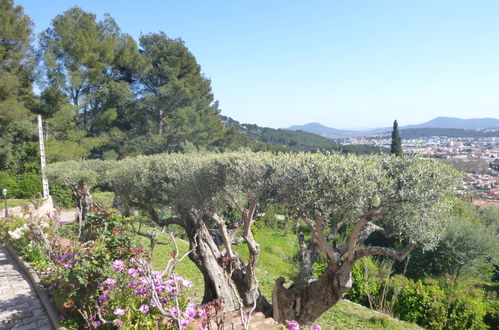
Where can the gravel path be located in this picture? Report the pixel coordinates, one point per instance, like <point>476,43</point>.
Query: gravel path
<point>19,305</point>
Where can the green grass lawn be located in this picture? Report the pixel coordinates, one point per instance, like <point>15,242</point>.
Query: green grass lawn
<point>277,259</point>
<point>14,202</point>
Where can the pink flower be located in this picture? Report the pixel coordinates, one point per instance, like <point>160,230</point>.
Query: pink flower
<point>118,265</point>
<point>315,327</point>
<point>143,280</point>
<point>140,291</point>
<point>111,282</point>
<point>202,312</point>
<point>174,311</point>
<point>293,325</point>
<point>133,272</point>
<point>186,283</point>
<point>183,323</point>
<point>96,323</point>
<point>144,309</point>
<point>117,322</point>
<point>119,312</point>
<point>190,312</point>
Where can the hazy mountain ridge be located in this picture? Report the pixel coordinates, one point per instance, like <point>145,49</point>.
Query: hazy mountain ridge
<point>319,129</point>
<point>457,124</point>
<point>452,122</point>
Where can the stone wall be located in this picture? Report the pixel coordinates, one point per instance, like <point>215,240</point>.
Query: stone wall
<point>45,207</point>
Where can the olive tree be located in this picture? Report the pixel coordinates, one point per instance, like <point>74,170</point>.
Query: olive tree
<point>197,190</point>
<point>398,196</point>
<point>402,197</point>
<point>81,177</point>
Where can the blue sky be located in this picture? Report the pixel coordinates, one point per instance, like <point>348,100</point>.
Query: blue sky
<point>341,63</point>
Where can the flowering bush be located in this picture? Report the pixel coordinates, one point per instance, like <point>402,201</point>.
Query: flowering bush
<point>134,295</point>
<point>29,236</point>
<point>78,266</point>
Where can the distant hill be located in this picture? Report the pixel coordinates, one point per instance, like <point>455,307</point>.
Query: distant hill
<point>451,122</point>
<point>297,141</point>
<point>321,130</point>
<point>461,127</point>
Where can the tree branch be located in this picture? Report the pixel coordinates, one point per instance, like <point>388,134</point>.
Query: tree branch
<point>234,200</point>
<point>364,234</point>
<point>352,241</point>
<point>223,232</point>
<point>383,251</point>
<point>332,255</point>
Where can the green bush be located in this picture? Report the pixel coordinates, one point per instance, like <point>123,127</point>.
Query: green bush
<point>62,196</point>
<point>365,282</point>
<point>419,303</point>
<point>29,186</point>
<point>467,306</point>
<point>445,305</point>
<point>8,182</point>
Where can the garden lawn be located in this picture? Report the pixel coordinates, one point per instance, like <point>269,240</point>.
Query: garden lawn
<point>14,203</point>
<point>277,258</point>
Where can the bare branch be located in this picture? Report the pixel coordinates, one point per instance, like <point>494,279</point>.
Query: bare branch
<point>354,235</point>
<point>332,255</point>
<point>383,251</point>
<point>364,234</point>
<point>234,200</point>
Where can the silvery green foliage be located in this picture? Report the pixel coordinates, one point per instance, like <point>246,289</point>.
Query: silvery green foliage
<point>79,174</point>
<point>407,193</point>
<point>192,181</point>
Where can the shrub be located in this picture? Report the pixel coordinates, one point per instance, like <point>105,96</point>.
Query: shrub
<point>8,182</point>
<point>365,282</point>
<point>62,196</point>
<point>111,229</point>
<point>419,303</point>
<point>445,305</point>
<point>29,185</point>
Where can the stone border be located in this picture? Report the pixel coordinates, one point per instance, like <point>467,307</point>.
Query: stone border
<point>35,283</point>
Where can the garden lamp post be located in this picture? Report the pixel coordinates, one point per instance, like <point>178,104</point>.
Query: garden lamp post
<point>4,192</point>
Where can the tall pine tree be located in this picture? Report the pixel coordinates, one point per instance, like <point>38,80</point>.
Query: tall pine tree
<point>396,147</point>
<point>17,100</point>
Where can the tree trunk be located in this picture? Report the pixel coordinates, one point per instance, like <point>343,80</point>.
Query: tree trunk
<point>307,303</point>
<point>161,122</point>
<point>83,203</point>
<point>208,259</point>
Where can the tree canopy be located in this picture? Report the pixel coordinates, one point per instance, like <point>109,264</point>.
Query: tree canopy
<point>355,196</point>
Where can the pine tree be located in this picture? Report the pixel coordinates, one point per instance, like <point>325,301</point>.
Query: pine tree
<point>396,147</point>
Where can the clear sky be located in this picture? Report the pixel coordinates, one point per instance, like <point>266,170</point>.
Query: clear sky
<point>341,63</point>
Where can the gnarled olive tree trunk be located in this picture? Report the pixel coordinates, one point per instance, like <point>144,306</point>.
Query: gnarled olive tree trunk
<point>205,254</point>
<point>305,304</point>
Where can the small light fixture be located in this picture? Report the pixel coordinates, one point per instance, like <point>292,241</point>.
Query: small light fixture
<point>4,192</point>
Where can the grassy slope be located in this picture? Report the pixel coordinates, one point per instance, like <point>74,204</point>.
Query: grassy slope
<point>14,202</point>
<point>277,253</point>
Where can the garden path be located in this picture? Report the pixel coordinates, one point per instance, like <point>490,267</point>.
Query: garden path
<point>20,307</point>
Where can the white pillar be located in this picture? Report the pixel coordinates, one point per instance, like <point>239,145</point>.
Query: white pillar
<point>45,182</point>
